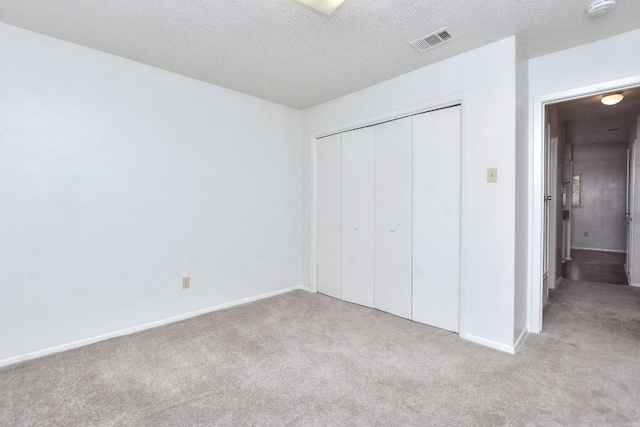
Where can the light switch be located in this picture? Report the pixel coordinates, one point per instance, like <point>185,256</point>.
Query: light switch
<point>492,175</point>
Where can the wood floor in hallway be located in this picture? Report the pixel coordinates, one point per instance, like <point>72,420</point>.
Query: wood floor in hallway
<point>596,266</point>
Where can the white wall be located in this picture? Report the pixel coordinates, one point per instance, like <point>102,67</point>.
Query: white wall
<point>521,300</point>
<point>590,64</point>
<point>118,179</point>
<point>600,222</point>
<point>598,66</point>
<point>487,77</point>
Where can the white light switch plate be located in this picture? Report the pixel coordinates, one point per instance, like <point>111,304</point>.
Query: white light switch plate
<point>492,175</point>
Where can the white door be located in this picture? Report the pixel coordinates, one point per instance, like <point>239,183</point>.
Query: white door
<point>546,219</point>
<point>329,208</point>
<point>554,214</point>
<point>357,216</point>
<point>436,218</point>
<point>393,217</point>
<point>631,160</point>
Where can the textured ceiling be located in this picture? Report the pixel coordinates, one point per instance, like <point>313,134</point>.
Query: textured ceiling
<point>591,107</point>
<point>589,121</point>
<point>285,52</point>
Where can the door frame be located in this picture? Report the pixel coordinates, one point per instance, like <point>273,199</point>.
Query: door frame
<point>554,155</point>
<point>536,184</point>
<point>460,98</point>
<point>631,185</point>
<point>550,240</point>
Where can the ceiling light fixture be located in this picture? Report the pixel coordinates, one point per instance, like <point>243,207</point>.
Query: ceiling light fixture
<point>325,6</point>
<point>599,8</point>
<point>612,99</point>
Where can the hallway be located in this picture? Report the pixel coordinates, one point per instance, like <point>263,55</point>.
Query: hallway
<point>596,266</point>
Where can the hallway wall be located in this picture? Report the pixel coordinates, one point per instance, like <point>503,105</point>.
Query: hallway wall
<point>600,222</point>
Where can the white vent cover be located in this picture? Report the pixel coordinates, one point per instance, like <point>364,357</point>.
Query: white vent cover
<point>432,40</point>
<point>599,8</point>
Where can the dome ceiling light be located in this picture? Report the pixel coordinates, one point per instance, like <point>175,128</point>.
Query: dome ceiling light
<point>599,8</point>
<point>325,6</point>
<point>612,99</point>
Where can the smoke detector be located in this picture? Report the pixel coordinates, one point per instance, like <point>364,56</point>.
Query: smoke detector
<point>599,8</point>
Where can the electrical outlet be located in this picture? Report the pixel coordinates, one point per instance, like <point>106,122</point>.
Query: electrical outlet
<point>186,282</point>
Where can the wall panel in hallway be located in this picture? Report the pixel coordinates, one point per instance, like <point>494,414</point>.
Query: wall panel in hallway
<point>600,222</point>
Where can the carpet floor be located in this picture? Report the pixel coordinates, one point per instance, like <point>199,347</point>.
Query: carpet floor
<point>307,359</point>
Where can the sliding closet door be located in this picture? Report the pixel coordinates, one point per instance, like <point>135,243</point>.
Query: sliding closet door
<point>357,216</point>
<point>329,224</point>
<point>393,217</point>
<point>436,218</point>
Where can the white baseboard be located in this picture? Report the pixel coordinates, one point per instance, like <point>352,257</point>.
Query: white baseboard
<point>492,344</point>
<point>635,285</point>
<point>601,250</point>
<point>555,286</point>
<point>128,331</point>
<point>520,340</point>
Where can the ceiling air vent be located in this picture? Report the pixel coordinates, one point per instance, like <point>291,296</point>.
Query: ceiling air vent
<point>432,40</point>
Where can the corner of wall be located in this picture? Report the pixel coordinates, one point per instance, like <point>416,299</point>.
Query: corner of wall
<point>521,197</point>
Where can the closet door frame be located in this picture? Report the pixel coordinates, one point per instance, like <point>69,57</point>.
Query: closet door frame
<point>448,101</point>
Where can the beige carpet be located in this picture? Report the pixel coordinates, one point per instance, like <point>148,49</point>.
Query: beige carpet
<point>306,359</point>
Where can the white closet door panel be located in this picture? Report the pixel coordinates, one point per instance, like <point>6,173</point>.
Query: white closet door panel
<point>329,209</point>
<point>436,218</point>
<point>357,216</point>
<point>393,217</point>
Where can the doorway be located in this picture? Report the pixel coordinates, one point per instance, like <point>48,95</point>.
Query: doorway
<point>588,184</point>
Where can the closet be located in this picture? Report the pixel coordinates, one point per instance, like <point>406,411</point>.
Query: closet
<point>393,217</point>
<point>358,216</point>
<point>329,241</point>
<point>388,217</point>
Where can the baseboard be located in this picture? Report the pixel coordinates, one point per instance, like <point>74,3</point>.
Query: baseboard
<point>520,340</point>
<point>492,344</point>
<point>626,271</point>
<point>498,346</point>
<point>129,331</point>
<point>555,286</point>
<point>601,250</point>
<point>635,285</point>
